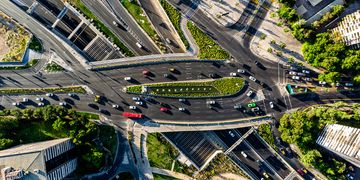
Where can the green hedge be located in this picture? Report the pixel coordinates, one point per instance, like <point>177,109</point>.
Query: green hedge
<point>219,87</point>
<point>73,89</point>
<point>175,17</point>
<point>209,49</point>
<point>83,9</point>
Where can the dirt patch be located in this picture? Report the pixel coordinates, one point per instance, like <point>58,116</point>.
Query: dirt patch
<point>228,176</point>
<point>4,49</point>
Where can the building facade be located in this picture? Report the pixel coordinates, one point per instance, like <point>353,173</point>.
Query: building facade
<point>349,29</point>
<point>313,10</point>
<point>51,160</point>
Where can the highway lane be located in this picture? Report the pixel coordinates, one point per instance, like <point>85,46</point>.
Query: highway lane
<point>164,29</point>
<point>134,30</point>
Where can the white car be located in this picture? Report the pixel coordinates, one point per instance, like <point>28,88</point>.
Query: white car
<point>132,107</point>
<point>241,71</point>
<point>70,94</point>
<point>115,24</point>
<point>40,99</point>
<point>115,106</point>
<point>295,77</point>
<point>25,100</point>
<point>210,102</point>
<point>62,103</point>
<point>244,154</point>
<point>252,78</point>
<point>292,73</point>
<point>182,100</point>
<point>249,93</point>
<point>135,98</point>
<point>15,103</point>
<point>49,94</point>
<point>40,104</point>
<point>271,105</point>
<point>255,109</point>
<point>322,82</point>
<point>139,45</point>
<point>139,103</point>
<point>181,109</point>
<point>305,71</point>
<point>127,78</point>
<point>237,106</point>
<point>233,74</point>
<point>231,134</point>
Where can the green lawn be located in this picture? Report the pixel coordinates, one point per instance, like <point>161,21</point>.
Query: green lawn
<point>175,17</point>
<point>53,67</point>
<point>161,154</point>
<point>101,26</point>
<point>73,89</point>
<point>209,49</point>
<point>218,87</point>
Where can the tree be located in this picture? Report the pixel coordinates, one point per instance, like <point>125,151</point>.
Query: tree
<point>330,77</point>
<point>310,157</point>
<point>94,158</point>
<point>59,124</point>
<point>5,143</point>
<point>357,78</point>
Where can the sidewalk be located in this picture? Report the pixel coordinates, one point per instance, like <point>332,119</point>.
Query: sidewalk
<point>272,30</point>
<point>169,173</point>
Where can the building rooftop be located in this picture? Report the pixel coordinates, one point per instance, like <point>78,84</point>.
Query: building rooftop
<point>311,7</point>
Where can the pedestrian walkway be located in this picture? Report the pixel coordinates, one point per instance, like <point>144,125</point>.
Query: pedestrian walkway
<point>169,173</point>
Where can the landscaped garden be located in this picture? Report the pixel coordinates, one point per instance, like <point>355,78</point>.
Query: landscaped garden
<point>53,67</point>
<point>207,88</point>
<point>13,40</point>
<point>209,49</point>
<point>53,122</point>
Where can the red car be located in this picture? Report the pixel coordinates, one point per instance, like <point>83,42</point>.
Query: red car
<point>132,115</point>
<point>164,109</point>
<point>301,172</point>
<point>145,72</point>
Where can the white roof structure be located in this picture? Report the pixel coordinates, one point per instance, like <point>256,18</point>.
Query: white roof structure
<point>342,140</point>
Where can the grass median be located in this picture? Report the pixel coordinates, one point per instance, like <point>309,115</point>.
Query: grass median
<point>53,67</point>
<point>209,49</point>
<point>175,18</point>
<point>101,26</point>
<point>206,88</point>
<point>72,89</point>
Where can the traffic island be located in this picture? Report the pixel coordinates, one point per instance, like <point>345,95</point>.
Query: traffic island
<point>187,89</point>
<point>70,89</point>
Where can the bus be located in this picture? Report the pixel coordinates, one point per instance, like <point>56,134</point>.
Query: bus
<point>132,115</point>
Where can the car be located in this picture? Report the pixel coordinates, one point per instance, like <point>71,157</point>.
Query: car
<point>252,78</point>
<point>233,74</point>
<point>237,106</point>
<point>62,103</point>
<point>282,150</point>
<point>249,93</point>
<point>181,109</point>
<point>132,107</point>
<point>172,69</point>
<point>163,109</point>
<point>115,106</point>
<point>288,150</point>
<point>278,140</point>
<point>295,77</point>
<point>349,84</point>
<point>166,75</point>
<point>251,105</point>
<point>231,134</point>
<point>349,177</point>
<point>139,103</point>
<point>307,79</point>
<point>241,71</point>
<point>305,71</point>
<point>322,82</point>
<point>212,75</point>
<point>301,172</point>
<point>293,68</point>
<point>145,72</point>
<point>338,84</point>
<point>49,94</point>
<point>135,98</point>
<point>292,73</point>
<point>70,94</point>
<point>266,175</point>
<point>211,102</point>
<point>271,105</point>
<point>182,100</point>
<point>138,45</point>
<point>115,24</point>
<point>40,104</point>
<point>168,40</point>
<point>25,100</point>
<point>40,99</point>
<point>244,154</point>
<point>257,62</point>
<point>301,74</point>
<point>97,98</point>
<point>258,162</point>
<point>127,78</point>
<point>15,103</point>
<point>148,99</point>
<point>255,109</point>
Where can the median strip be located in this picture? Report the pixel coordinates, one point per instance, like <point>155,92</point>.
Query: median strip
<point>204,88</point>
<point>71,89</point>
